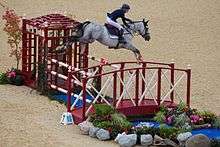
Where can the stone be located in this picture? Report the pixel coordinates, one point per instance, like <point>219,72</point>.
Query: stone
<point>84,127</point>
<point>182,137</point>
<point>146,140</point>
<point>158,141</point>
<point>198,140</point>
<point>169,142</point>
<point>127,140</point>
<point>93,131</point>
<point>103,134</point>
<point>119,136</point>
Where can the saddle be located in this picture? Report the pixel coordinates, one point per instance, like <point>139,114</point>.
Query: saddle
<point>113,31</point>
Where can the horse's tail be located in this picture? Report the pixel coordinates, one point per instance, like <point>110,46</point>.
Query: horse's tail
<point>77,33</point>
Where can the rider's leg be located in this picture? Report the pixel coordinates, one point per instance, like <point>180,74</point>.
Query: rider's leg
<point>113,23</point>
<point>120,28</point>
<point>120,36</point>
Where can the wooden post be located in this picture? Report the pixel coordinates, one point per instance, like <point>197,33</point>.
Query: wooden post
<point>144,65</point>
<point>114,89</point>
<point>159,86</point>
<point>172,78</point>
<point>188,85</point>
<point>84,81</point>
<point>137,87</point>
<point>69,89</point>
<point>122,78</point>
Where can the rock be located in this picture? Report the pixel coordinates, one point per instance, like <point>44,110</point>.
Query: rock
<point>119,136</point>
<point>182,137</point>
<point>93,131</point>
<point>127,140</point>
<point>198,140</point>
<point>158,141</point>
<point>84,127</point>
<point>169,142</point>
<point>103,134</point>
<point>146,140</point>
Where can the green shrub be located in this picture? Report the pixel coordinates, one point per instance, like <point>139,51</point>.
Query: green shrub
<point>160,117</point>
<point>207,116</point>
<point>181,120</point>
<point>103,124</point>
<point>14,77</point>
<point>18,80</point>
<point>147,130</point>
<point>216,123</point>
<point>120,121</point>
<point>169,132</point>
<point>163,109</point>
<point>3,78</point>
<point>181,106</point>
<point>103,110</point>
<point>163,131</point>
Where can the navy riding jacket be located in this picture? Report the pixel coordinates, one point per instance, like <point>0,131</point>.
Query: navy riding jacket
<point>119,13</point>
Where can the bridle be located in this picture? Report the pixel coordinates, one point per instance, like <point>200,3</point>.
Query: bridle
<point>134,29</point>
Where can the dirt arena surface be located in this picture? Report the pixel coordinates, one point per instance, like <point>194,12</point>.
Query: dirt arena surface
<point>187,31</point>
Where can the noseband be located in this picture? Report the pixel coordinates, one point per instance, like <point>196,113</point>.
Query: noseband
<point>145,28</point>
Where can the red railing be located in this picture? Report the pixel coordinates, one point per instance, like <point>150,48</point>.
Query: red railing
<point>117,77</point>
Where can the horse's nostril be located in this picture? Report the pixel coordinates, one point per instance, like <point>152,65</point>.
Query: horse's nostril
<point>147,38</point>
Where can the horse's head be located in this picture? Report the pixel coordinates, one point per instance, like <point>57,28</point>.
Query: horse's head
<point>141,27</point>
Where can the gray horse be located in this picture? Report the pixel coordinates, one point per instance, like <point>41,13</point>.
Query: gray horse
<point>88,32</point>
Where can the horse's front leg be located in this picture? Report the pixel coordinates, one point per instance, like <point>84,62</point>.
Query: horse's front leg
<point>136,52</point>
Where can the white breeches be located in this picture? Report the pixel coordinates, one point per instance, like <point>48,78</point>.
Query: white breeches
<point>115,24</point>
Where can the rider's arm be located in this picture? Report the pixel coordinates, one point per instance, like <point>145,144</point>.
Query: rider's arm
<point>124,20</point>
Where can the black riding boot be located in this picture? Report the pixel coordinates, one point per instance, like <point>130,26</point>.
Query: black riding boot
<point>120,37</point>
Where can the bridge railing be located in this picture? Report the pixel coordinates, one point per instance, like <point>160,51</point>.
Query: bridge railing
<point>136,87</point>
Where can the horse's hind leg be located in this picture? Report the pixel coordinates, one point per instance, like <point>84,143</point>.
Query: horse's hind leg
<point>136,52</point>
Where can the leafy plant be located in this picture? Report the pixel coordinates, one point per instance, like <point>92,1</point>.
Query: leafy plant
<point>169,132</point>
<point>216,123</point>
<point>180,120</point>
<point>164,131</point>
<point>163,109</point>
<point>103,109</point>
<point>146,130</point>
<point>160,117</point>
<point>103,124</point>
<point>18,80</point>
<point>121,121</point>
<point>107,118</point>
<point>12,28</point>
<point>3,78</point>
<point>181,106</point>
<point>14,77</point>
<point>207,116</point>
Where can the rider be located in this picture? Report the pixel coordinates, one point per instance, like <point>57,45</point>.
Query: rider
<point>119,13</point>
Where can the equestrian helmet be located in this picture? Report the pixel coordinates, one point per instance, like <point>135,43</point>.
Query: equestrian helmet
<point>125,6</point>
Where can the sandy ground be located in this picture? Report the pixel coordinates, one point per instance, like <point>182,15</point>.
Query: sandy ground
<point>187,31</point>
